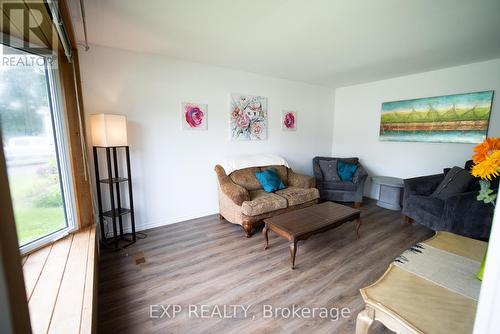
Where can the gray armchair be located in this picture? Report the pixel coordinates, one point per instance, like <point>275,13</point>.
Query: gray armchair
<point>331,188</point>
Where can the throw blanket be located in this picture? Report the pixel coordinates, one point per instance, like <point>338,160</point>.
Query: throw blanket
<point>451,271</point>
<point>232,164</point>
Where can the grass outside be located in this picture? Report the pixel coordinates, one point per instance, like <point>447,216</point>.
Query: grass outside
<point>33,223</point>
<point>37,207</point>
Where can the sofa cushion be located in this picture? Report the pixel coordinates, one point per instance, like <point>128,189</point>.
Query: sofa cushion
<point>428,204</point>
<point>282,172</point>
<point>296,196</point>
<point>329,170</point>
<point>456,181</point>
<point>246,178</point>
<point>270,180</point>
<point>346,170</point>
<point>262,202</point>
<point>468,165</point>
<point>339,185</point>
<point>349,160</point>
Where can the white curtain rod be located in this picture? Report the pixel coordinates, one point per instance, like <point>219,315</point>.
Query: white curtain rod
<point>84,22</point>
<point>61,31</point>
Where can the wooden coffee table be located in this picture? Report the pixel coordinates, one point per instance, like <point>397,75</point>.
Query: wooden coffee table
<point>301,224</point>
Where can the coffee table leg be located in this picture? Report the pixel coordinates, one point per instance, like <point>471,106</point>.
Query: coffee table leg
<point>265,232</point>
<point>358,226</point>
<point>293,251</point>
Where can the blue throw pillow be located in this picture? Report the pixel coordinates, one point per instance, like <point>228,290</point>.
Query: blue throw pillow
<point>346,171</point>
<point>270,180</point>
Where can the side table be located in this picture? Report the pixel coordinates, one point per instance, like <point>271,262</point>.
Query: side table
<point>391,191</point>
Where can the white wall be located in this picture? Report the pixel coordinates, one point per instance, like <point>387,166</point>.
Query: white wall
<point>357,120</point>
<point>172,169</point>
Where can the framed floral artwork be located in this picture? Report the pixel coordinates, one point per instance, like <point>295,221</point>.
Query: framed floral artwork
<point>248,119</point>
<point>289,120</point>
<point>194,116</point>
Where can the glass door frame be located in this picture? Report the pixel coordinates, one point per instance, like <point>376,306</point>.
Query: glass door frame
<point>63,155</point>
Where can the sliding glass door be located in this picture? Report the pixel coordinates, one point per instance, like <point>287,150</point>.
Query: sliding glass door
<point>35,148</point>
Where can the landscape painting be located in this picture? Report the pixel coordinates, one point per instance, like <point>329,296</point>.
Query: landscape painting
<point>248,117</point>
<point>461,118</point>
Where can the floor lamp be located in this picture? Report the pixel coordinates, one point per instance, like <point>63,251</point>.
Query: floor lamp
<point>109,134</point>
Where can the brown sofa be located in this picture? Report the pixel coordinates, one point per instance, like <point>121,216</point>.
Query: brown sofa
<point>242,200</point>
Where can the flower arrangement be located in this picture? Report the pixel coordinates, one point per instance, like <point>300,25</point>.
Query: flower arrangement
<point>487,167</point>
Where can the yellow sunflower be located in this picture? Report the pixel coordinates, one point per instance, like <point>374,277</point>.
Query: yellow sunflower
<point>488,168</point>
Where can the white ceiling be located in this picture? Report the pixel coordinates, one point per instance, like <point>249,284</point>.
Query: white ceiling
<point>327,42</point>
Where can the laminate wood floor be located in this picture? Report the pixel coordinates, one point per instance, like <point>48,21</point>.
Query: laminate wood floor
<point>209,262</point>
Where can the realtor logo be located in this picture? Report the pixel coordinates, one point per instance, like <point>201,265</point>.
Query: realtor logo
<point>26,25</point>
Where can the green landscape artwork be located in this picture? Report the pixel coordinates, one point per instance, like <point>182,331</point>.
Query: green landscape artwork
<point>460,118</point>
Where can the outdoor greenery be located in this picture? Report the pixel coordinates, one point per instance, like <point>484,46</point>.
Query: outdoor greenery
<point>51,198</point>
<point>37,205</point>
<point>432,115</point>
<point>23,92</point>
<point>35,187</point>
<point>35,223</point>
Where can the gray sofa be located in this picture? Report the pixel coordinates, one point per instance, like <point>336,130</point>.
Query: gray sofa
<point>331,188</point>
<point>461,213</point>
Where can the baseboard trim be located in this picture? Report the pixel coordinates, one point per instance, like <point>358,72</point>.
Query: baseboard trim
<point>159,223</point>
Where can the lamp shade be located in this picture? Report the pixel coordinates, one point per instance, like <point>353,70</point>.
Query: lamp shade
<point>108,130</point>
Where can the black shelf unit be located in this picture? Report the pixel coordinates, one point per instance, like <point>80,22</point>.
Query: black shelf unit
<point>114,180</point>
<point>116,212</point>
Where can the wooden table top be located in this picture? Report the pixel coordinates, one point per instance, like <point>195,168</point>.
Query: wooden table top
<point>313,218</point>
